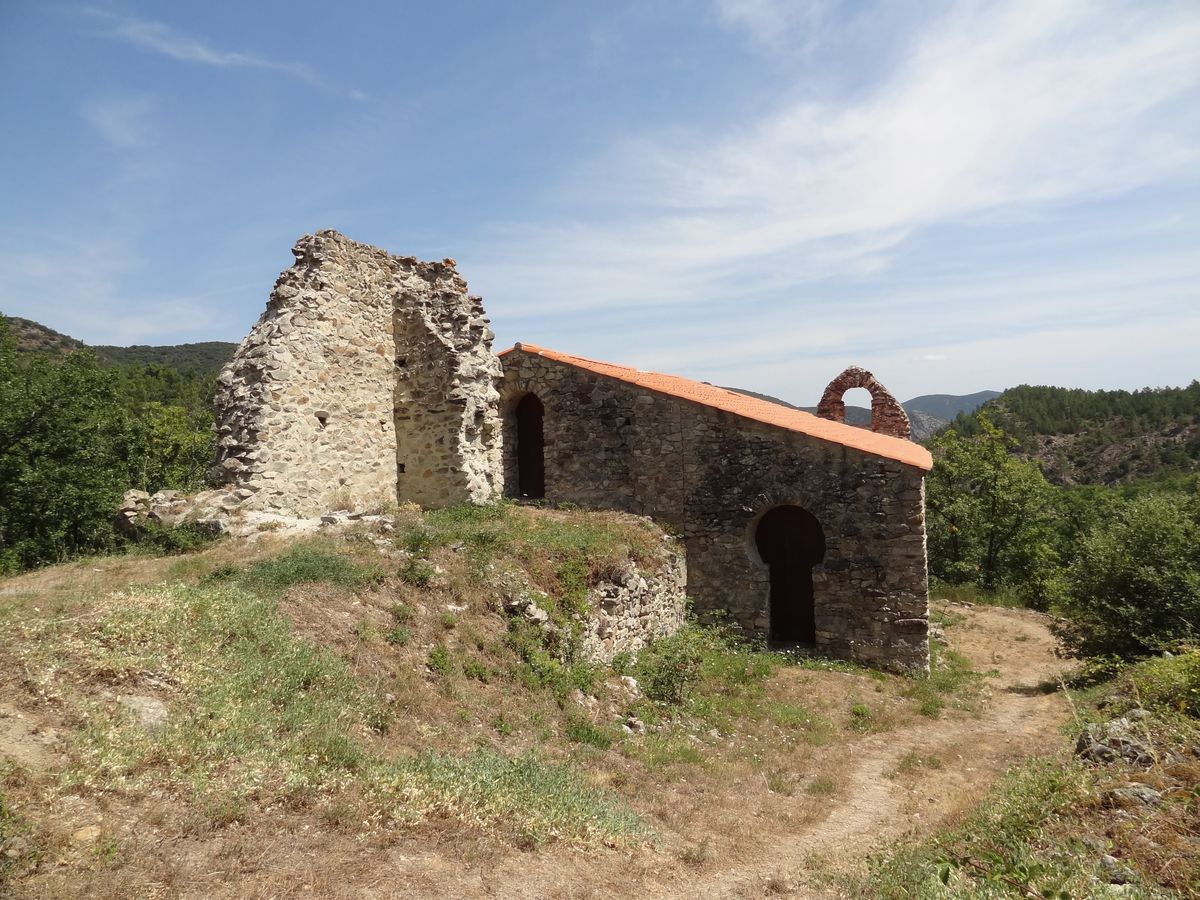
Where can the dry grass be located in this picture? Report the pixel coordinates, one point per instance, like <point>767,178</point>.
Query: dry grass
<point>360,714</point>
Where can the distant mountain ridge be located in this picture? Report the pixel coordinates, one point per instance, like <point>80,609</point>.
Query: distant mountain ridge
<point>928,413</point>
<point>1100,437</point>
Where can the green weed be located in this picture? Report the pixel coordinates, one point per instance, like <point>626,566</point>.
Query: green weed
<point>301,564</point>
<point>440,661</point>
<point>861,717</point>
<point>581,731</point>
<point>950,680</point>
<point>418,573</point>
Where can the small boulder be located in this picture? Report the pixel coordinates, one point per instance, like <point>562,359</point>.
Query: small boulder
<point>150,712</point>
<point>88,834</point>
<point>1134,794</point>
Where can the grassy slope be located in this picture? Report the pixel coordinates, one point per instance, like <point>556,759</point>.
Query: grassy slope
<point>374,699</point>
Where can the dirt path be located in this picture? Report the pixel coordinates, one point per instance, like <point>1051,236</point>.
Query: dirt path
<point>1018,721</point>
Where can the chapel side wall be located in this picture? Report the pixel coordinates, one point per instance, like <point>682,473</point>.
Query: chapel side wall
<point>711,475</point>
<point>587,429</point>
<point>323,349</point>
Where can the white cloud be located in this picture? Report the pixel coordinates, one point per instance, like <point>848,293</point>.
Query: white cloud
<point>994,109</point>
<point>79,284</point>
<point>123,121</point>
<point>158,37</point>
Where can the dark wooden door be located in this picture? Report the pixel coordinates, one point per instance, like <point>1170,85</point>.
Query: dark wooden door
<point>531,448</point>
<point>790,541</point>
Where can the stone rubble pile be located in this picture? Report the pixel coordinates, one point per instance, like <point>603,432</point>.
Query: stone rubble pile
<point>1118,739</point>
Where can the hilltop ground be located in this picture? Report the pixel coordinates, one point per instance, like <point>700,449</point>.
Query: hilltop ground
<point>374,727</point>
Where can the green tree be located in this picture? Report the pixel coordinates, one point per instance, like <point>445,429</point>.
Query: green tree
<point>991,515</point>
<point>1134,586</point>
<point>62,469</point>
<point>74,435</point>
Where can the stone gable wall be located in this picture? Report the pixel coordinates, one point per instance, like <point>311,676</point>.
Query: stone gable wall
<point>711,475</point>
<point>362,363</point>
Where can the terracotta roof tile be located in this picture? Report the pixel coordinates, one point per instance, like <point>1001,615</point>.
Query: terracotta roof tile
<point>748,407</point>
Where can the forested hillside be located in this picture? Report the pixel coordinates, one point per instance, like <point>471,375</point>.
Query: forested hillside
<point>1099,437</point>
<point>206,357</point>
<point>75,434</point>
<point>202,358</point>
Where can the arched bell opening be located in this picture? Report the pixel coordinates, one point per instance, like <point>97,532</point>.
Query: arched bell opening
<point>887,415</point>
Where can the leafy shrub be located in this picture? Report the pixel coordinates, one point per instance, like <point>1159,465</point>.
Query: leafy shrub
<point>440,661</point>
<point>418,573</point>
<point>1134,587</point>
<point>473,668</point>
<point>668,668</point>
<point>1166,682</point>
<point>185,538</point>
<point>417,541</point>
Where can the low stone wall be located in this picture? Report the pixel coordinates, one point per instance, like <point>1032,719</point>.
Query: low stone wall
<point>639,605</point>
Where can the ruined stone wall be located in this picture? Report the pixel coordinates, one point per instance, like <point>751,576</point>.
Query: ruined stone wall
<point>363,366</point>
<point>712,475</point>
<point>635,607</point>
<point>446,413</point>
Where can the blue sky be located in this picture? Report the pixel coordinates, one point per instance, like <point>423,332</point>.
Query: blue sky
<point>956,195</point>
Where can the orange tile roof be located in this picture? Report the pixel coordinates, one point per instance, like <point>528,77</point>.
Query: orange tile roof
<point>748,407</point>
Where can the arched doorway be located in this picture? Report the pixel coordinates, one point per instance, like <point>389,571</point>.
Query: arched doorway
<point>531,462</point>
<point>790,541</point>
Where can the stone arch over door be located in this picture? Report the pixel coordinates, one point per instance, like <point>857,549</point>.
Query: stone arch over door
<point>887,415</point>
<point>790,541</point>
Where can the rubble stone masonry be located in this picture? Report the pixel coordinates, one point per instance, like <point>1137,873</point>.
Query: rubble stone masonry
<point>369,379</point>
<point>712,475</point>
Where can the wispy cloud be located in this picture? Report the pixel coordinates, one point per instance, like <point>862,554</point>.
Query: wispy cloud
<point>778,24</point>
<point>993,109</point>
<point>159,37</point>
<point>123,121</point>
